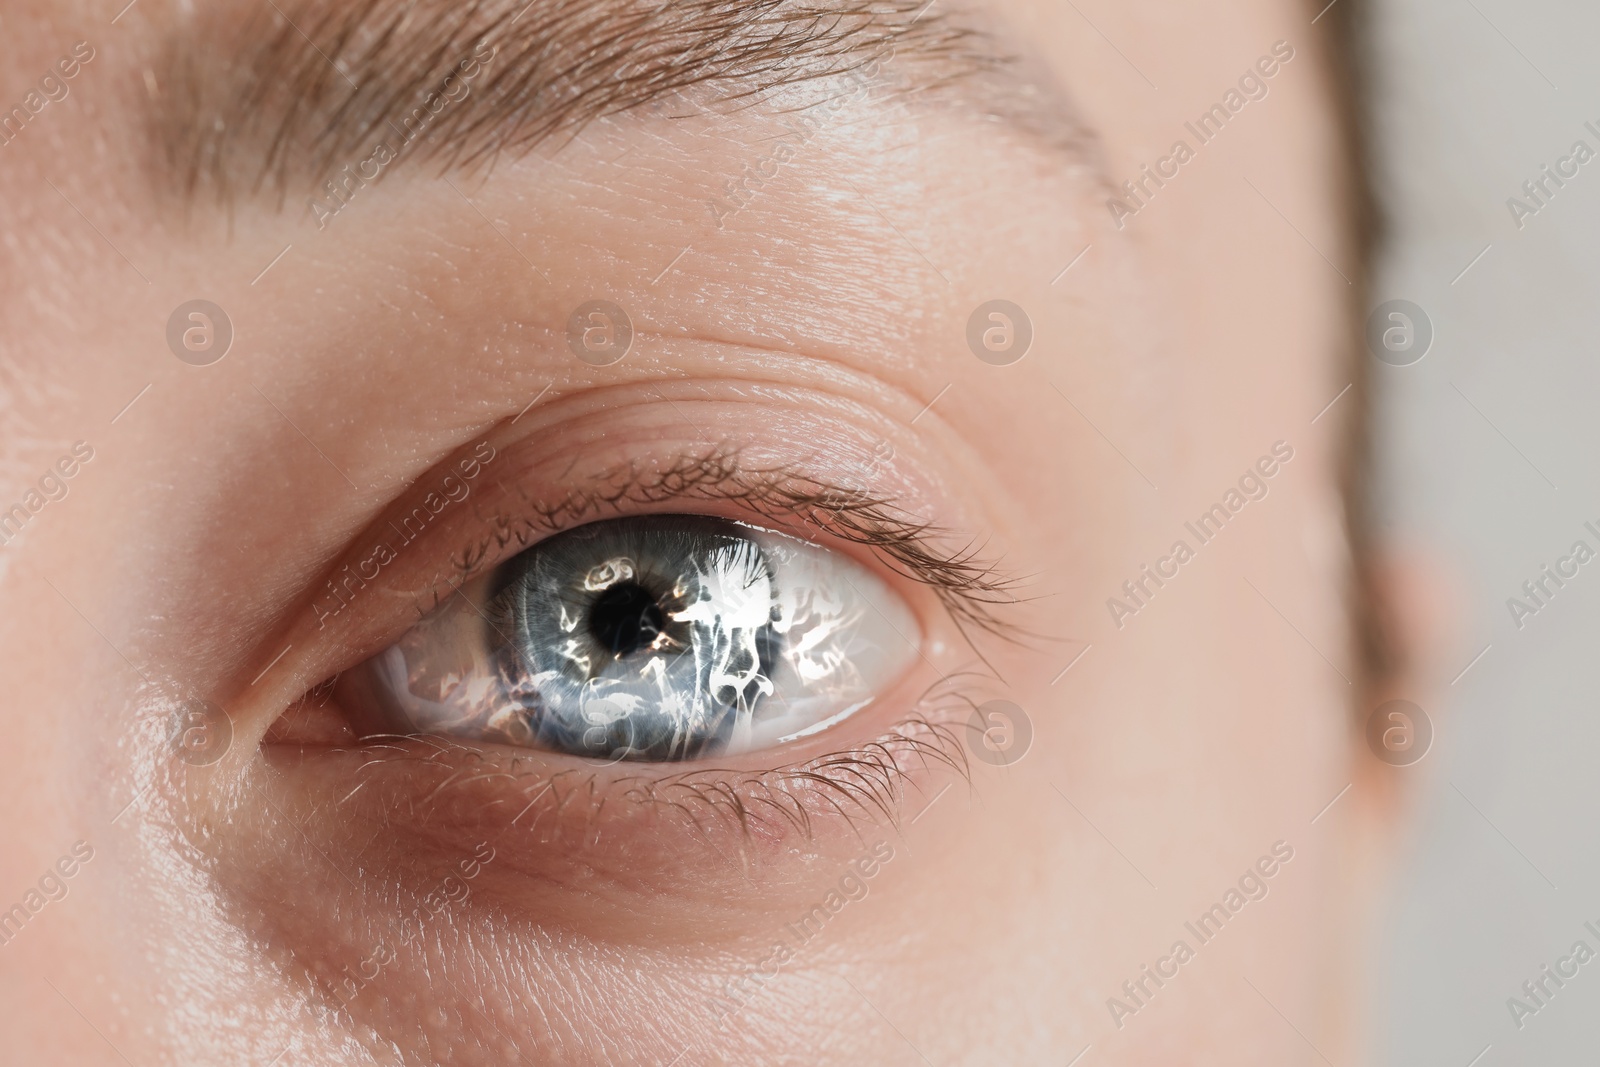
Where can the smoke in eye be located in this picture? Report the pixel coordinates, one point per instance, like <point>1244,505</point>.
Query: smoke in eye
<point>664,639</point>
<point>733,610</point>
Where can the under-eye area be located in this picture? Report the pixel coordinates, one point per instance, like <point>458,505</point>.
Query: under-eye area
<point>628,826</point>
<point>713,842</point>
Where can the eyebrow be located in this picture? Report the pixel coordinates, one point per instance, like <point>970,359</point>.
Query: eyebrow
<point>277,96</point>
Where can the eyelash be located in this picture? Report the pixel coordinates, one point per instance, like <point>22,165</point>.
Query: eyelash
<point>969,587</point>
<point>868,779</point>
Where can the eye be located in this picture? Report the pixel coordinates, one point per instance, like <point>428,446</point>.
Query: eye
<point>662,637</point>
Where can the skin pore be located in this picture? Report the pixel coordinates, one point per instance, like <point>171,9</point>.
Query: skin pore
<point>799,361</point>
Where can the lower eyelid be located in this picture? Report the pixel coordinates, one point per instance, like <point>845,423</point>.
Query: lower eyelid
<point>637,824</point>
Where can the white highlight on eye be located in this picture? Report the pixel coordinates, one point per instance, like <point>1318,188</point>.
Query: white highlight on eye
<point>608,709</point>
<point>830,721</point>
<point>608,574</point>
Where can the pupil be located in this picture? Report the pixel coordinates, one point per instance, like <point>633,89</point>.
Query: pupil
<point>625,618</point>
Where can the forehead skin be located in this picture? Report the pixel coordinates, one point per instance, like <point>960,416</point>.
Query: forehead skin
<point>830,309</point>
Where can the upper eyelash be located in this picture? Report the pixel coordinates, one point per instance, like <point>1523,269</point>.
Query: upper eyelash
<point>968,586</point>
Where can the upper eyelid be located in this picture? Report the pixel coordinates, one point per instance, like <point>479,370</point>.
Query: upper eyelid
<point>970,588</point>
<point>522,500</point>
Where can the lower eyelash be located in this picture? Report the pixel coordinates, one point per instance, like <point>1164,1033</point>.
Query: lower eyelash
<point>870,779</point>
<point>864,784</point>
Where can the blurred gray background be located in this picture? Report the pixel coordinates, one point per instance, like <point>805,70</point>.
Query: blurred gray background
<point>1491,466</point>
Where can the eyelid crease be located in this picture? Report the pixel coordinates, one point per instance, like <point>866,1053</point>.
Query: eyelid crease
<point>969,587</point>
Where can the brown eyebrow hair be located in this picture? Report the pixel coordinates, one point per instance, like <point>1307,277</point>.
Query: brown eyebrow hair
<point>287,90</point>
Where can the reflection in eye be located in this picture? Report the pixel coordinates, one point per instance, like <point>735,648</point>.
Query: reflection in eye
<point>654,638</point>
